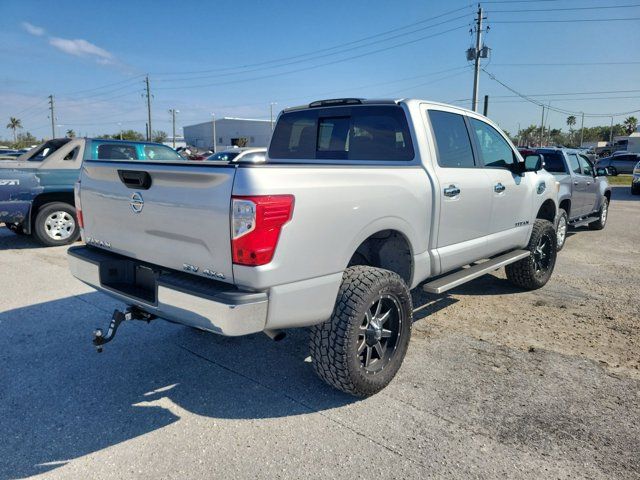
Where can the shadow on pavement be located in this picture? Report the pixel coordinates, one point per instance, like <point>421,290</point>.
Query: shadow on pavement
<point>11,241</point>
<point>60,400</point>
<point>620,193</point>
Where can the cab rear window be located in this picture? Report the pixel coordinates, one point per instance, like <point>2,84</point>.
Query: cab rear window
<point>124,151</point>
<point>377,133</point>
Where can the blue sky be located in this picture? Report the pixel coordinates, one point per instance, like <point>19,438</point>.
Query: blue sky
<point>205,57</point>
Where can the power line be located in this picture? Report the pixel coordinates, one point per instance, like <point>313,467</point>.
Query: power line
<point>316,57</point>
<point>333,62</point>
<point>574,20</point>
<point>555,109</point>
<point>564,9</point>
<point>128,80</point>
<point>313,52</point>
<point>563,64</point>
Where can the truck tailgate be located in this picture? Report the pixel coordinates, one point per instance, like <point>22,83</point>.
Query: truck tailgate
<point>174,216</point>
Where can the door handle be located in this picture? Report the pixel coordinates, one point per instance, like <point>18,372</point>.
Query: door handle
<point>451,191</point>
<point>588,183</point>
<point>499,188</point>
<point>575,183</point>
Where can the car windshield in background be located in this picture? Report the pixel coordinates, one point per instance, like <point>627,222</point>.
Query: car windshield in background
<point>553,162</point>
<point>223,156</point>
<point>146,152</point>
<point>378,133</point>
<point>46,149</point>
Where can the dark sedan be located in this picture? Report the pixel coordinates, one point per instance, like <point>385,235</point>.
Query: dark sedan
<point>621,163</point>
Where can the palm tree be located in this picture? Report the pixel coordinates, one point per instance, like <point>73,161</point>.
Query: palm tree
<point>630,124</point>
<point>571,121</point>
<point>14,124</point>
<point>71,133</point>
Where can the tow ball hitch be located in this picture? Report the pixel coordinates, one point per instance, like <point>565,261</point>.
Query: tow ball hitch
<point>133,313</point>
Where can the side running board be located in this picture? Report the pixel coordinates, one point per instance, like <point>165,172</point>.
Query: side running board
<point>459,277</point>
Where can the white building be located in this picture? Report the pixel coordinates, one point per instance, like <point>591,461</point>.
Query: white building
<point>229,132</point>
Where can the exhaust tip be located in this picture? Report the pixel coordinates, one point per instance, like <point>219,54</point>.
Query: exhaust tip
<point>275,335</point>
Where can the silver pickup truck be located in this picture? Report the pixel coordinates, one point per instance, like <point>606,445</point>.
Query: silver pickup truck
<point>584,190</point>
<point>357,203</point>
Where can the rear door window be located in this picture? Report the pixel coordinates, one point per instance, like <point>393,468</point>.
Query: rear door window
<point>116,151</point>
<point>377,133</point>
<point>124,151</point>
<point>452,140</point>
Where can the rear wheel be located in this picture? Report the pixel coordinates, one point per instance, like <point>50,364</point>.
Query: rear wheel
<point>603,214</point>
<point>535,270</point>
<point>56,224</point>
<point>562,226</point>
<point>361,347</point>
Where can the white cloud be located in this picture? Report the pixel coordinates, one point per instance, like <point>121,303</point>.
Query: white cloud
<point>82,48</point>
<point>32,29</point>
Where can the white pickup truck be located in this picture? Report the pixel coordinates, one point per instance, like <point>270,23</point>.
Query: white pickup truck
<point>357,203</point>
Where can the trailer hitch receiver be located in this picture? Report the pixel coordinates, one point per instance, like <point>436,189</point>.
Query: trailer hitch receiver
<point>132,313</point>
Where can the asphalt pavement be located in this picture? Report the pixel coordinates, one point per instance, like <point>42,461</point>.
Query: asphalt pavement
<point>165,401</point>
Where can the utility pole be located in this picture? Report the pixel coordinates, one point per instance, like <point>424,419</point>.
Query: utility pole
<point>582,131</point>
<point>611,133</point>
<point>542,126</point>
<point>173,112</point>
<point>146,80</point>
<point>476,54</point>
<point>213,131</point>
<point>53,121</point>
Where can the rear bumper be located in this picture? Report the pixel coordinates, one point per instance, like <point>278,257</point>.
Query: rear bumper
<point>182,298</point>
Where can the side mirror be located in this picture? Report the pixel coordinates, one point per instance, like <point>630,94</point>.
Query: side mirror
<point>533,162</point>
<point>603,172</point>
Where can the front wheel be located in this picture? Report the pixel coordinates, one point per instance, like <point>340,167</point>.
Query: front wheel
<point>603,214</point>
<point>361,347</point>
<point>56,224</point>
<point>535,270</point>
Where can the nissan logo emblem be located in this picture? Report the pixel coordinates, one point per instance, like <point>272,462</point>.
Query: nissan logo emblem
<point>136,203</point>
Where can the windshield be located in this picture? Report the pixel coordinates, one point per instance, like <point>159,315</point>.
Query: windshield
<point>223,156</point>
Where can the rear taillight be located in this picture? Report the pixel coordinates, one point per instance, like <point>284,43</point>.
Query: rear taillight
<point>76,200</point>
<point>256,222</point>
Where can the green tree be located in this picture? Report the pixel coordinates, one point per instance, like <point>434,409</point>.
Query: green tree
<point>71,133</point>
<point>14,124</point>
<point>630,124</point>
<point>129,135</point>
<point>159,136</point>
<point>25,140</point>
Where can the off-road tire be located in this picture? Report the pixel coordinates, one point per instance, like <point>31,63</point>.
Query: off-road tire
<point>40,229</point>
<point>523,273</point>
<point>603,215</point>
<point>334,343</point>
<point>562,217</point>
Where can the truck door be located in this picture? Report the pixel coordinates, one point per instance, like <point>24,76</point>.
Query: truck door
<point>579,187</point>
<point>511,193</point>
<point>463,191</point>
<point>591,190</point>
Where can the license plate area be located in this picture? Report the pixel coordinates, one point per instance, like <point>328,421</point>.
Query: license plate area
<point>130,278</point>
